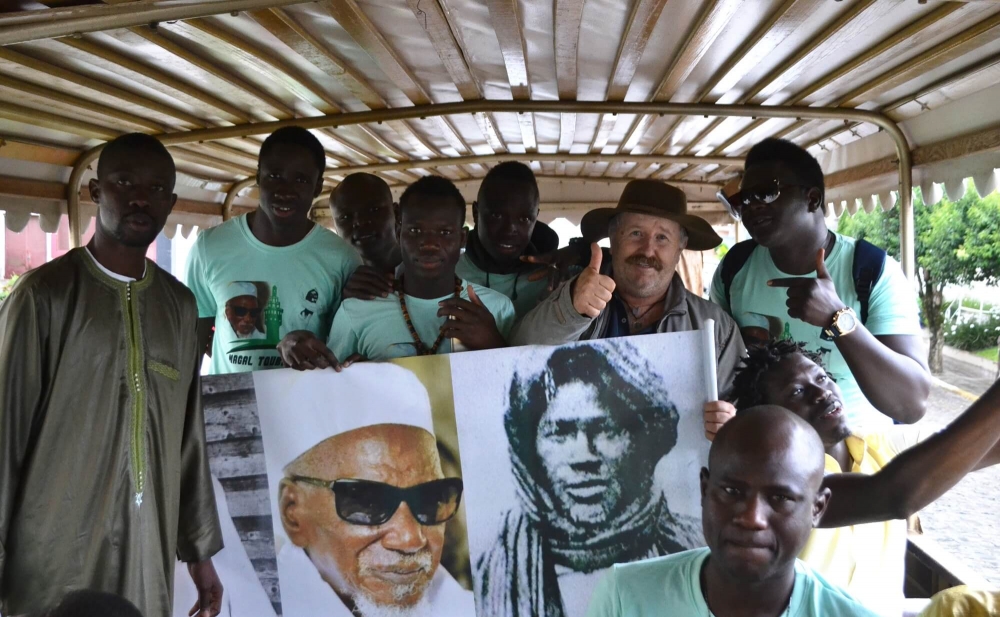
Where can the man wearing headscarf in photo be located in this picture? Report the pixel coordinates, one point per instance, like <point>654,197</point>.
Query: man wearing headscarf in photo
<point>359,501</point>
<point>585,435</point>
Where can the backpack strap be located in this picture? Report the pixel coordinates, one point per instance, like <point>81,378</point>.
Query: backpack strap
<point>733,262</point>
<point>869,262</point>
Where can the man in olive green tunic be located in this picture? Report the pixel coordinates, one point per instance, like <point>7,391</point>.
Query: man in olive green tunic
<point>104,478</point>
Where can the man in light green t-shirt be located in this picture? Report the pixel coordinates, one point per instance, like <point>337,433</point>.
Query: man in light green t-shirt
<point>507,229</point>
<point>432,309</point>
<point>762,494</point>
<point>262,275</point>
<point>798,283</point>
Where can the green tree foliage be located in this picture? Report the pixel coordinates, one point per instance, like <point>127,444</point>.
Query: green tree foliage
<point>957,243</point>
<point>6,286</point>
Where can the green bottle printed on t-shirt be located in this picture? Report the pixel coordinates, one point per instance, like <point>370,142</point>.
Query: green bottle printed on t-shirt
<point>786,334</point>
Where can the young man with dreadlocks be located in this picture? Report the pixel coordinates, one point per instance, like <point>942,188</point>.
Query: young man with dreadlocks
<point>867,560</point>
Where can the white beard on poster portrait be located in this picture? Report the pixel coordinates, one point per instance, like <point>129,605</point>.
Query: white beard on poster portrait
<point>366,607</point>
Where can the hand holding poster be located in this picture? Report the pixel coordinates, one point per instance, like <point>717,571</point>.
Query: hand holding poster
<point>565,460</point>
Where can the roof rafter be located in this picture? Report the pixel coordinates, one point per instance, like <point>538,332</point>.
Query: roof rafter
<point>37,117</point>
<point>301,41</point>
<point>958,76</point>
<point>172,43</point>
<point>366,35</point>
<point>706,29</point>
<point>568,20</point>
<point>933,57</point>
<point>447,41</point>
<point>107,89</point>
<point>207,33</point>
<point>507,25</point>
<point>106,54</point>
<point>642,20</point>
<point>54,23</point>
<point>785,20</point>
<point>814,43</point>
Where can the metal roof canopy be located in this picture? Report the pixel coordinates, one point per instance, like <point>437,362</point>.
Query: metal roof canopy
<point>585,89</point>
<point>472,107</point>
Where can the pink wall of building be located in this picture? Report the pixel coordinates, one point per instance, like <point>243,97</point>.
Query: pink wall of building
<point>29,248</point>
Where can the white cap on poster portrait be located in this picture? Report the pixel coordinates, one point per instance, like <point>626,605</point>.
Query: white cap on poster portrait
<point>241,288</point>
<point>299,410</point>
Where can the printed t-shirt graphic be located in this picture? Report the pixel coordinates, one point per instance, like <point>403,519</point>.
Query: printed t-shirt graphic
<point>259,293</point>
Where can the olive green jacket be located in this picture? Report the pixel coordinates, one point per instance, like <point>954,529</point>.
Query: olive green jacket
<point>104,477</point>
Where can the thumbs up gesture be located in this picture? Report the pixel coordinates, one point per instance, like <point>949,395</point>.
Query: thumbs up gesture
<point>812,300</point>
<point>592,290</point>
<point>470,322</point>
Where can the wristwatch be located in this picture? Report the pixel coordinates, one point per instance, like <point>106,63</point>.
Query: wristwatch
<point>843,323</point>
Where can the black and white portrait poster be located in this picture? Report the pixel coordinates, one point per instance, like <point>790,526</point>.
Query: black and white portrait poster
<point>576,458</point>
<point>489,484</point>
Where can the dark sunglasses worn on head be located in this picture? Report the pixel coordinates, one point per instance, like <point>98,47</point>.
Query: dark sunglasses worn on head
<point>241,311</point>
<point>765,193</point>
<point>363,502</point>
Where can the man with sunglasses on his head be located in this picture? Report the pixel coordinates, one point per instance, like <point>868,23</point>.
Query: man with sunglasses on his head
<point>362,502</point>
<point>840,296</point>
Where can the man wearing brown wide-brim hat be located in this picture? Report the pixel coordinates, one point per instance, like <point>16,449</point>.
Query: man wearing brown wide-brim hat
<point>639,292</point>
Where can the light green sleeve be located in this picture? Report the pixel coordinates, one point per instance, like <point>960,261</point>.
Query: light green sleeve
<point>605,601</point>
<point>717,292</point>
<point>892,308</point>
<point>505,316</point>
<point>197,279</point>
<point>350,262</point>
<point>343,340</point>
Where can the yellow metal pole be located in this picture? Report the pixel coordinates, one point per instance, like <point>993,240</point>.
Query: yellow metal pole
<point>73,194</point>
<point>227,204</point>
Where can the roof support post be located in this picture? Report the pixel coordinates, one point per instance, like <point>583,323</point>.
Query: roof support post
<point>73,195</point>
<point>234,190</point>
<point>907,240</point>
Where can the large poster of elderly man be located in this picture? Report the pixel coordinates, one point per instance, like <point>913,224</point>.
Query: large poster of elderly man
<point>360,500</point>
<point>576,458</point>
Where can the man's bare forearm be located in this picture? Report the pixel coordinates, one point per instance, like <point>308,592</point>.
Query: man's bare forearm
<point>889,372</point>
<point>921,474</point>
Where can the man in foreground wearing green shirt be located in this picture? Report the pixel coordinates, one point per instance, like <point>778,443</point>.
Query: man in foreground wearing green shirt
<point>432,309</point>
<point>762,494</point>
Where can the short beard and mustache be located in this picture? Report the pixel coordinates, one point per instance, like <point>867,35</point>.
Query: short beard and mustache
<point>123,237</point>
<point>366,606</point>
<point>643,261</point>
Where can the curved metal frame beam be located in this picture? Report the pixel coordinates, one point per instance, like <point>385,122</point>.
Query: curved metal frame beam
<point>53,23</point>
<point>596,107</point>
<point>533,156</point>
<point>234,190</point>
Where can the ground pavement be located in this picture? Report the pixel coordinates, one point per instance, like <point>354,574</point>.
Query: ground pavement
<point>966,520</point>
